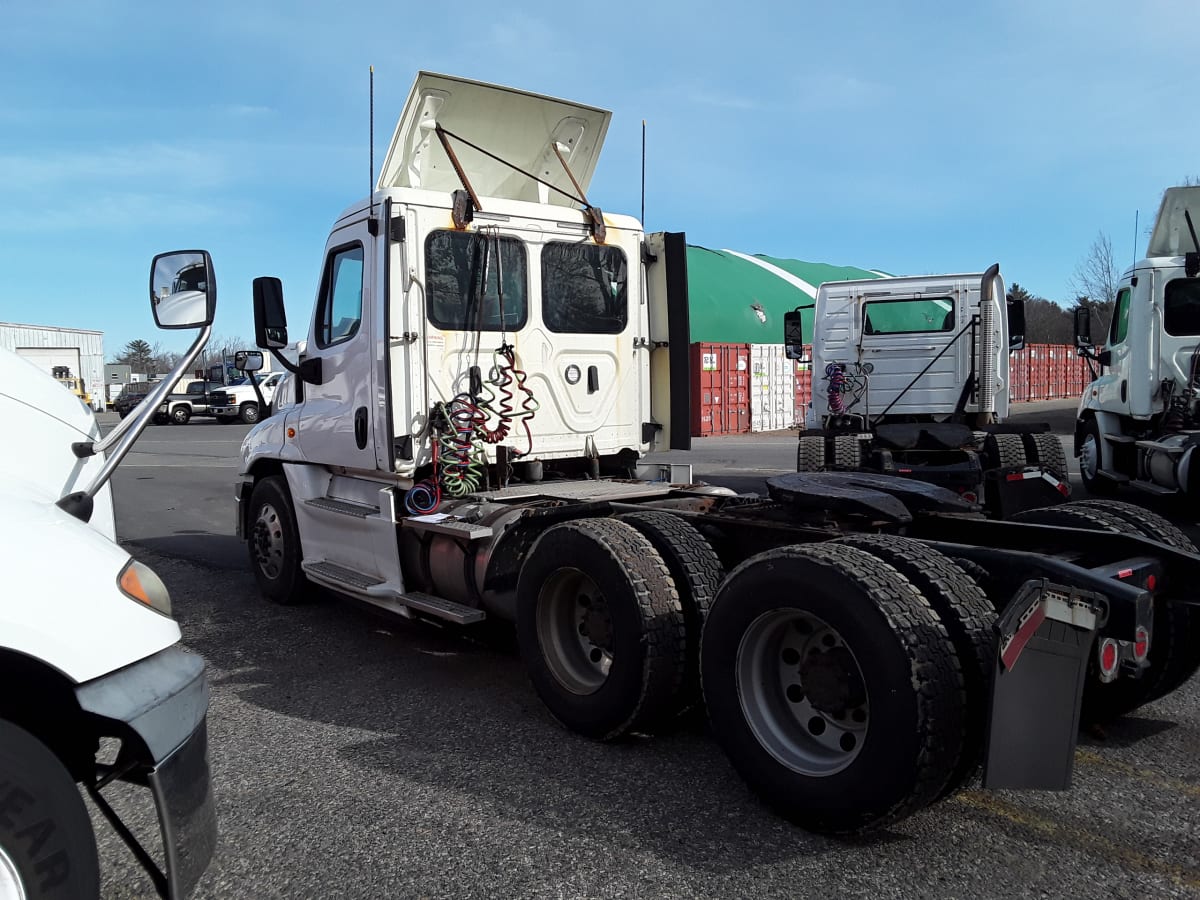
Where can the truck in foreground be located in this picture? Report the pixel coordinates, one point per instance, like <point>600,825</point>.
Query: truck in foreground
<point>97,688</point>
<point>467,433</point>
<point>911,378</point>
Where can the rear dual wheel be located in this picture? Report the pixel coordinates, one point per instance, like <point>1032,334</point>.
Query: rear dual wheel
<point>833,687</point>
<point>601,628</point>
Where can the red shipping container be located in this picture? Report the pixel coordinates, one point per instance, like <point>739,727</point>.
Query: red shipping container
<point>720,389</point>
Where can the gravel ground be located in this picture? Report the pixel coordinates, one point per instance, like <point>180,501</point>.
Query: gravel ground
<point>359,757</point>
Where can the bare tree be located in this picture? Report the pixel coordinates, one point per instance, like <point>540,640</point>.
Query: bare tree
<point>1096,275</point>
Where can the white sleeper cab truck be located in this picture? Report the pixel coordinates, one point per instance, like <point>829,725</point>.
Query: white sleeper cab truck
<point>89,652</point>
<point>467,435</point>
<point>910,377</point>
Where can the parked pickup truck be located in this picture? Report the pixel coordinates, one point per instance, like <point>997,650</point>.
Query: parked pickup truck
<point>238,401</point>
<point>194,401</point>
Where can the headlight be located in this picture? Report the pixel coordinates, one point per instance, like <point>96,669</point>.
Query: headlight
<point>138,582</point>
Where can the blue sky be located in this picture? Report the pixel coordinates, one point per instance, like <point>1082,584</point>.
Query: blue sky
<point>864,134</point>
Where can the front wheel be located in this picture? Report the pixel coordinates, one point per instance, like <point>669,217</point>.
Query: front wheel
<point>1089,462</point>
<point>180,415</point>
<point>47,847</point>
<point>248,413</point>
<point>833,687</point>
<point>274,542</point>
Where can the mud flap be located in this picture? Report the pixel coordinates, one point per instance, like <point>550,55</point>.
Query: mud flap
<point>1045,637</point>
<point>1010,491</point>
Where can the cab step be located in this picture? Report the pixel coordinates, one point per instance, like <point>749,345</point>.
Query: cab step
<point>452,527</point>
<point>1118,477</point>
<point>343,507</point>
<point>1151,488</point>
<point>372,589</point>
<point>1169,449</point>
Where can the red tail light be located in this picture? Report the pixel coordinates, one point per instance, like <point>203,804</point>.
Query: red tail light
<point>1108,657</point>
<point>1141,642</point>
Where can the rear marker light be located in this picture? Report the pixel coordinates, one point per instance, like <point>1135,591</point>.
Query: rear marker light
<point>1109,657</point>
<point>1141,643</point>
<point>1125,573</point>
<point>1151,582</point>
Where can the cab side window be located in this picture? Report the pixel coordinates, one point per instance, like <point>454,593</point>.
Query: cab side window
<point>340,311</point>
<point>1119,326</point>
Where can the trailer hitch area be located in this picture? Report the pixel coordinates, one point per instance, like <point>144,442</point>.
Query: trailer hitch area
<point>1045,636</point>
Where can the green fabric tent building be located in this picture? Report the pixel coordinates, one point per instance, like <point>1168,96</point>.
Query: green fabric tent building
<point>736,298</point>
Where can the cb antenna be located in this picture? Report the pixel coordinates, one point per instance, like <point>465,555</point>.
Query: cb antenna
<point>643,218</point>
<point>371,151</point>
<point>1136,213</point>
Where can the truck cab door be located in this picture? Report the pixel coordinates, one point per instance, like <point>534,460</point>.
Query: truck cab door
<point>335,422</point>
<point>1113,385</point>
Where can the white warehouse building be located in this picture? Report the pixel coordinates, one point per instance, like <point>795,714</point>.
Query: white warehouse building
<point>45,346</point>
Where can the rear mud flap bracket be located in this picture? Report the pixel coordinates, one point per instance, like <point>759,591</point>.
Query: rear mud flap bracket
<point>1045,637</point>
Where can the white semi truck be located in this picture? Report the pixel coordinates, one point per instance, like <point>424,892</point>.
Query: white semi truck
<point>1139,419</point>
<point>465,436</point>
<point>910,377</point>
<point>96,687</point>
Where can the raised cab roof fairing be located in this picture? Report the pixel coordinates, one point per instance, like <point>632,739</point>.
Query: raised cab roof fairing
<point>519,127</point>
<point>1171,236</point>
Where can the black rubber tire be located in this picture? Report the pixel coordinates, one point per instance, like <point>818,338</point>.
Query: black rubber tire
<point>969,618</point>
<point>160,419</point>
<point>226,420</point>
<point>911,674</point>
<point>1182,622</point>
<point>1005,451</point>
<point>1049,454</point>
<point>45,829</point>
<point>848,453</point>
<point>697,573</point>
<point>180,415</point>
<point>810,454</point>
<point>1098,485</point>
<point>248,413</point>
<point>285,583</point>
<point>648,634</point>
<point>1104,702</point>
<point>122,415</point>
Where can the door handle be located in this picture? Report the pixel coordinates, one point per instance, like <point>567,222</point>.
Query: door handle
<point>360,427</point>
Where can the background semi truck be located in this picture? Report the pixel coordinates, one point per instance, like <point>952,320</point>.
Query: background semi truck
<point>88,650</point>
<point>1139,422</point>
<point>913,376</point>
<point>464,437</point>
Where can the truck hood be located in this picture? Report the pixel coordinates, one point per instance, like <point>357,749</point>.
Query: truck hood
<point>1171,236</point>
<point>519,127</point>
<point>41,421</point>
<point>61,603</point>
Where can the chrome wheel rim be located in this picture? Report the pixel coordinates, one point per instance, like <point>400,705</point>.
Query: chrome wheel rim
<point>1089,457</point>
<point>802,692</point>
<point>11,885</point>
<point>574,628</point>
<point>268,541</point>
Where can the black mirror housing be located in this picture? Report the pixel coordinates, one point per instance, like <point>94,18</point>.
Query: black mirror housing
<point>1016,322</point>
<point>1082,317</point>
<point>270,318</point>
<point>793,334</point>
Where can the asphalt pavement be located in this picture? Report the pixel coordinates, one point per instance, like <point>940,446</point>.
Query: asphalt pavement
<point>359,756</point>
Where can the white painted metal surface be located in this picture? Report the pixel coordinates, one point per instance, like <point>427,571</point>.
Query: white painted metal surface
<point>58,569</point>
<point>772,388</point>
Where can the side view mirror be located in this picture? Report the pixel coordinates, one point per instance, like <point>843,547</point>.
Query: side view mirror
<point>183,289</point>
<point>248,360</point>
<point>1082,316</point>
<point>270,319</point>
<point>1016,322</point>
<point>793,334</point>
